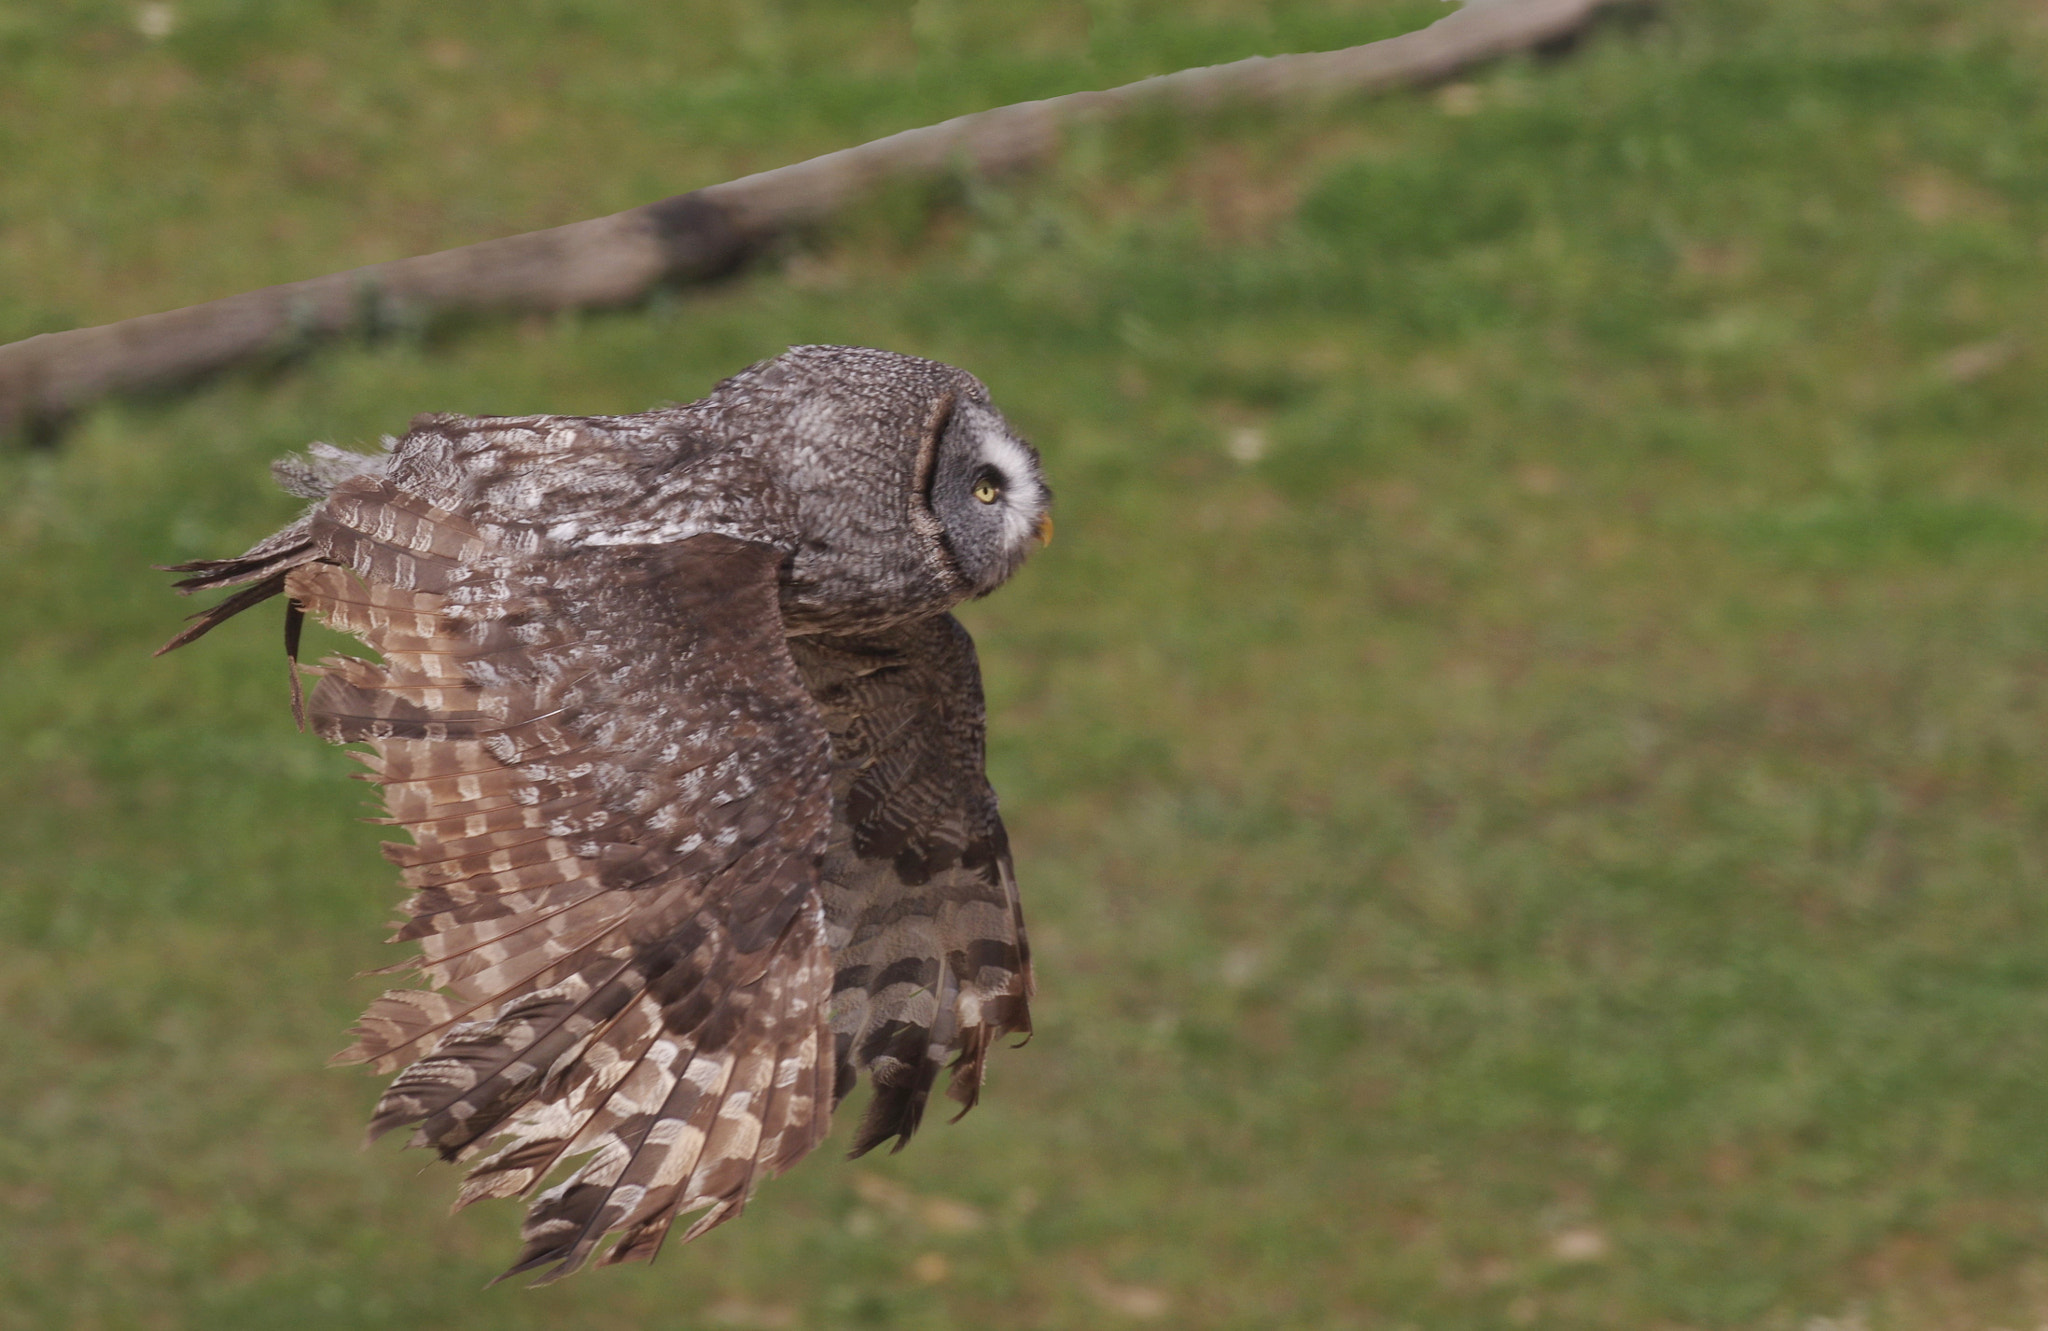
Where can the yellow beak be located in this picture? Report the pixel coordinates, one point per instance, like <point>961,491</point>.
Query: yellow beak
<point>1044,530</point>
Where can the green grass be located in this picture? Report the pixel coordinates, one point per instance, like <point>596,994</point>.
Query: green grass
<point>1557,838</point>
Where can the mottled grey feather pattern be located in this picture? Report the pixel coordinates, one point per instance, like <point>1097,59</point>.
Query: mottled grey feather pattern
<point>690,758</point>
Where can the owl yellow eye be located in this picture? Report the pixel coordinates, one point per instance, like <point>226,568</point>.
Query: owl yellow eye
<point>986,490</point>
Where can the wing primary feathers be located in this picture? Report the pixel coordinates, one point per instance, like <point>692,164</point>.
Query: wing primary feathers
<point>702,1146</point>
<point>527,983</point>
<point>516,1074</point>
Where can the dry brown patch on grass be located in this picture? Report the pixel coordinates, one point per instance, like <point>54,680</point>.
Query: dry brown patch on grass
<point>1932,196</point>
<point>1243,197</point>
<point>1718,261</point>
<point>1143,1303</point>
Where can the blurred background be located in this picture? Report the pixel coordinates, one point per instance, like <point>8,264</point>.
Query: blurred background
<point>1526,759</point>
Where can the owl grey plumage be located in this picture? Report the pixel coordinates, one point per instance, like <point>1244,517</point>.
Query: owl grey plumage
<point>691,756</point>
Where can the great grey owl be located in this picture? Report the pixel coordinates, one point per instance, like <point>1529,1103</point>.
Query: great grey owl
<point>691,756</point>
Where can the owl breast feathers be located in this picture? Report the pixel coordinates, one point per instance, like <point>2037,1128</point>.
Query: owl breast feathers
<point>690,754</point>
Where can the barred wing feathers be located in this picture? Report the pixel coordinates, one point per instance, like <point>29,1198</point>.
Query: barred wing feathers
<point>927,934</point>
<point>617,789</point>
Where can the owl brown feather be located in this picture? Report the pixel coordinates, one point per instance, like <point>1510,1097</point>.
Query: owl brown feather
<point>676,877</point>
<point>561,877</point>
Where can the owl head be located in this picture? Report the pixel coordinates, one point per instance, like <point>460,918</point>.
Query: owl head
<point>913,493</point>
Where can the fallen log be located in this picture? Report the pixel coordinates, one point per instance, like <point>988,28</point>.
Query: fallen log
<point>692,237</point>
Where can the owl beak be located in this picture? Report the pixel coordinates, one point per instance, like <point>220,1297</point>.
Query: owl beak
<point>1043,531</point>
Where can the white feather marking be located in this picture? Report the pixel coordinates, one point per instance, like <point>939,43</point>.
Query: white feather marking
<point>1024,497</point>
<point>688,1143</point>
<point>665,1132</point>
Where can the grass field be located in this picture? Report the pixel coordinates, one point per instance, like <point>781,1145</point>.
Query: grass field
<point>1526,759</point>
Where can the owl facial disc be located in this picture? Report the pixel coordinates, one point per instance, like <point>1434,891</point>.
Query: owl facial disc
<point>988,494</point>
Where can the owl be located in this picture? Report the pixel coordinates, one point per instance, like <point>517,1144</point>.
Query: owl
<point>690,755</point>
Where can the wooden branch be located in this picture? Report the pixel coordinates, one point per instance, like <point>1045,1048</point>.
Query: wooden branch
<point>691,237</point>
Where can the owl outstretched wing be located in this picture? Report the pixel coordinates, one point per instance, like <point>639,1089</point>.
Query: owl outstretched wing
<point>617,788</point>
<point>927,934</point>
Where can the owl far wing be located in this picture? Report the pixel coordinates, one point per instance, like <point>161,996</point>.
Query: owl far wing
<point>617,790</point>
<point>920,898</point>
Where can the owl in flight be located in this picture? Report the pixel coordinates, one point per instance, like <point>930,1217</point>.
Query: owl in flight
<point>690,753</point>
